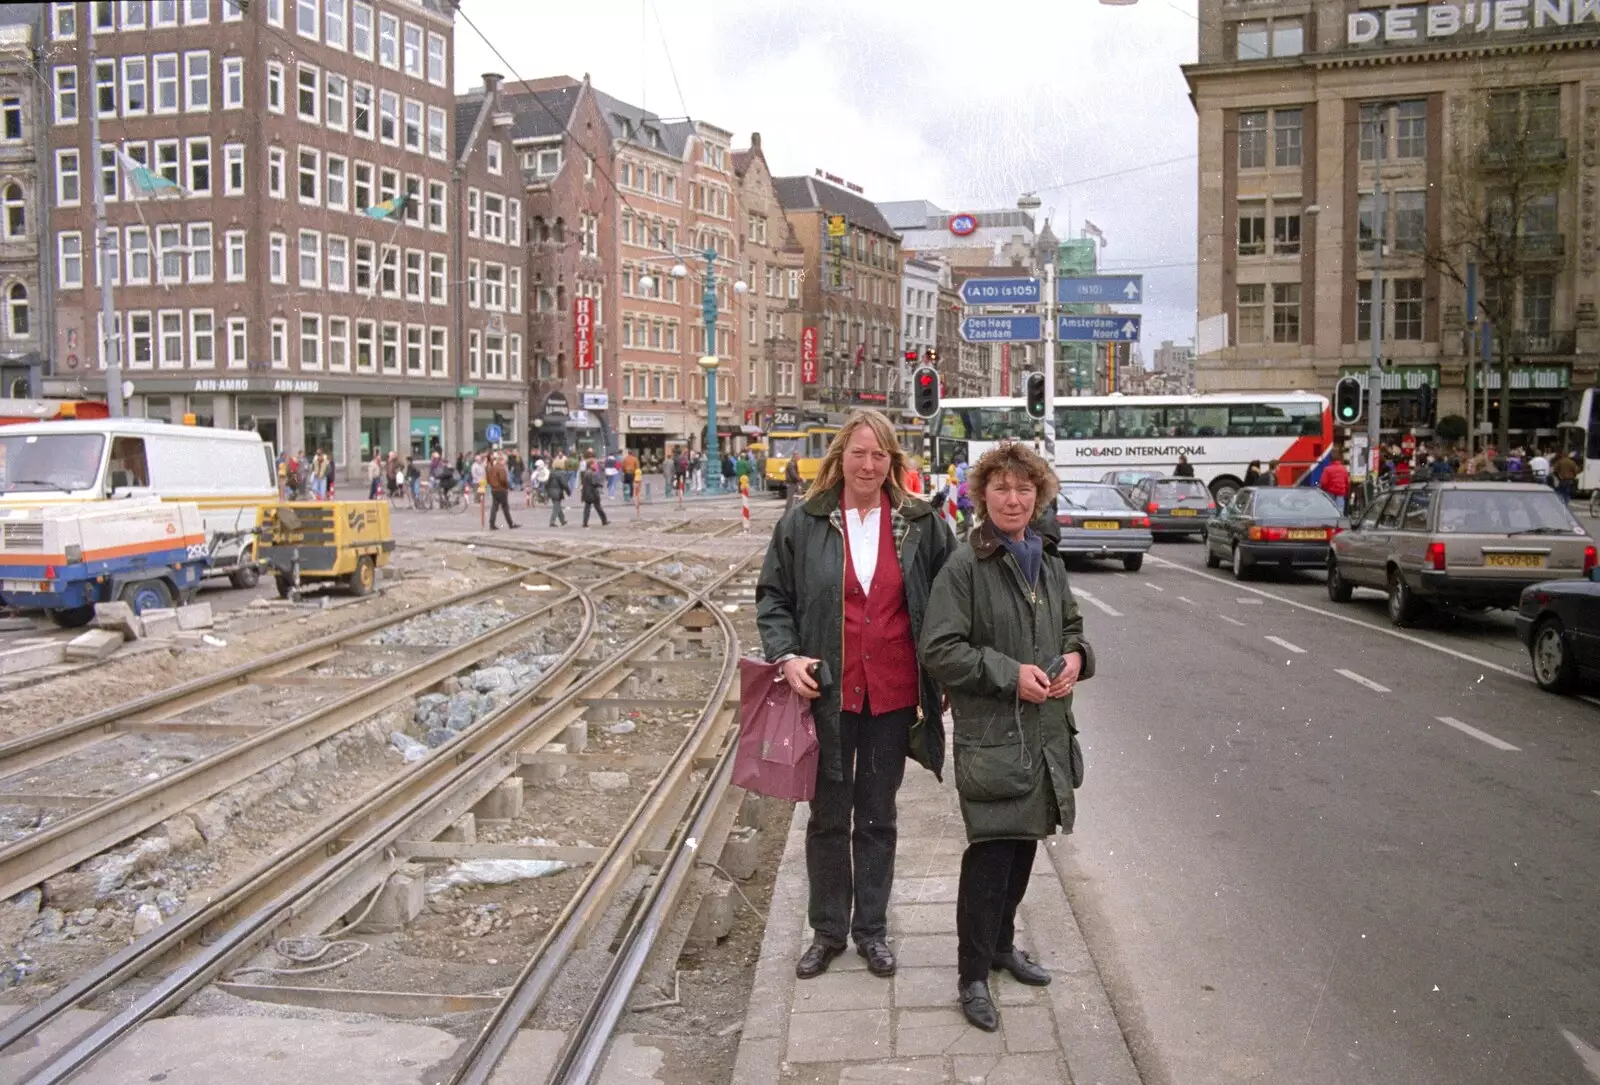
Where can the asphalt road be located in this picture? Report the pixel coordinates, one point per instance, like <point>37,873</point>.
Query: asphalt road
<point>1314,849</point>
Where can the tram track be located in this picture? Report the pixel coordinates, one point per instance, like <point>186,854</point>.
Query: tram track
<point>333,868</point>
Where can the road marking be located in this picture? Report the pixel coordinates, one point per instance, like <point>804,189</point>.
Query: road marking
<point>1191,602</point>
<point>1246,602</point>
<point>1281,643</point>
<point>1152,587</point>
<point>1094,602</point>
<point>1481,736</point>
<point>1361,680</point>
<point>1348,620</point>
<point>1232,621</point>
<point>1586,1054</point>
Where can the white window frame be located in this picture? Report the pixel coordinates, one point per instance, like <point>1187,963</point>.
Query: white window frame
<point>388,108</point>
<point>192,81</point>
<point>63,21</point>
<point>238,341</point>
<point>416,341</point>
<point>103,67</point>
<point>130,352</point>
<point>138,255</point>
<point>301,173</point>
<point>232,155</point>
<point>363,254</point>
<point>197,12</point>
<point>335,24</point>
<point>106,8</point>
<point>438,278</point>
<point>337,119</point>
<point>474,354</point>
<point>514,222</point>
<point>388,38</point>
<point>197,337</point>
<point>388,270</point>
<point>437,201</point>
<point>362,13</point>
<point>164,359</point>
<point>308,244</point>
<point>300,72</point>
<point>164,13</point>
<point>473,203</point>
<point>474,277</point>
<point>438,132</point>
<point>278,258</point>
<point>65,260</point>
<point>202,253</point>
<point>65,95</point>
<point>277,165</point>
<point>235,266</point>
<point>338,333</point>
<point>313,322</point>
<point>233,82</point>
<point>514,289</point>
<point>278,343</point>
<point>169,242</point>
<point>129,80</point>
<point>231,11</point>
<point>62,172</point>
<point>275,87</point>
<point>366,333</point>
<point>337,248</point>
<point>494,156</point>
<point>438,352</point>
<point>408,108</point>
<point>191,162</point>
<point>413,60</point>
<point>306,11</point>
<point>389,336</point>
<point>336,182</point>
<point>438,51</point>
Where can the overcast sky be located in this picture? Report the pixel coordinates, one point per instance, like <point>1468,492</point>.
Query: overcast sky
<point>964,104</point>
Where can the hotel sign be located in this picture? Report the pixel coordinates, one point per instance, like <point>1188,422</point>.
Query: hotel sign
<point>1436,22</point>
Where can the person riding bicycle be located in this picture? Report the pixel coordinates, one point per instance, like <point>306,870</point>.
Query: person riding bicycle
<point>443,475</point>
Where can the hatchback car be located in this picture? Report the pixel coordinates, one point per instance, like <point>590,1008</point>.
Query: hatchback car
<point>1559,621</point>
<point>1127,481</point>
<point>1177,506</point>
<point>1467,544</point>
<point>1281,528</point>
<point>1097,522</point>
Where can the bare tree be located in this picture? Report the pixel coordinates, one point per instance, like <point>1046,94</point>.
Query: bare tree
<point>1499,208</point>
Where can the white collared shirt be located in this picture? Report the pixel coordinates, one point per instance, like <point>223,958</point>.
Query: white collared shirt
<point>863,536</point>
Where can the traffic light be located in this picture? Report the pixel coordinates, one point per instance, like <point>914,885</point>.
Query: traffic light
<point>1425,404</point>
<point>925,391</point>
<point>1036,394</point>
<point>931,355</point>
<point>1347,397</point>
<point>911,356</point>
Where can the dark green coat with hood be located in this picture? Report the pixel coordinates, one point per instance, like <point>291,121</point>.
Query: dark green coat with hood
<point>1016,763</point>
<point>800,607</point>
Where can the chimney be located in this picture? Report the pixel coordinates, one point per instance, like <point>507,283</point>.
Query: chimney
<point>755,141</point>
<point>491,82</point>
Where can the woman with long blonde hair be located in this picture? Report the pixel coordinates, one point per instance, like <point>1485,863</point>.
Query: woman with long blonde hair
<point>839,605</point>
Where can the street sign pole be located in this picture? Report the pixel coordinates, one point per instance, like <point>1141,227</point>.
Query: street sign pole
<point>1050,360</point>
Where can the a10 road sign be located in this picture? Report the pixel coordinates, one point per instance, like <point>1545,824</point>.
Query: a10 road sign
<point>1001,292</point>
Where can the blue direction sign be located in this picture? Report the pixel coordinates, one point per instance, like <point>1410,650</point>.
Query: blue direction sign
<point>1001,292</point>
<point>1001,329</point>
<point>1097,329</point>
<point>1109,289</point>
<point>492,434</point>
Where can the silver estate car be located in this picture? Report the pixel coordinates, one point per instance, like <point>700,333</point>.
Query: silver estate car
<point>1096,521</point>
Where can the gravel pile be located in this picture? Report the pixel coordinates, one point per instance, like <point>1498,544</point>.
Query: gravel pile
<point>452,625</point>
<point>468,699</point>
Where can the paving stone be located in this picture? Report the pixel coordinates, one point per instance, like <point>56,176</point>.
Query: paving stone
<point>925,987</point>
<point>899,1072</point>
<point>909,919</point>
<point>16,625</point>
<point>1028,1028</point>
<point>926,950</point>
<point>35,655</point>
<point>820,1037</point>
<point>1010,1069</point>
<point>941,1032</point>
<point>160,623</point>
<point>195,616</point>
<point>94,644</point>
<point>837,990</point>
<point>119,616</point>
<point>924,891</point>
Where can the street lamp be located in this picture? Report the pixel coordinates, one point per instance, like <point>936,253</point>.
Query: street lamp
<point>708,362</point>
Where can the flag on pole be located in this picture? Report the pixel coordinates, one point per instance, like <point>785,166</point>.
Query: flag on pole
<point>387,209</point>
<point>1091,230</point>
<point>143,181</point>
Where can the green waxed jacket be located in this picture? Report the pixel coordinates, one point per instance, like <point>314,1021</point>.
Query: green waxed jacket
<point>1016,763</point>
<point>800,608</point>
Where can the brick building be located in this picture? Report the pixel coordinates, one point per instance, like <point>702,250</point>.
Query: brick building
<point>23,301</point>
<point>711,216</point>
<point>262,283</point>
<point>850,293</point>
<point>773,259</point>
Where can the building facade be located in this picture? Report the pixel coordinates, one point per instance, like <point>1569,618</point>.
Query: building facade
<point>919,312</point>
<point>1482,128</point>
<point>22,139</point>
<point>1175,364</point>
<point>271,172</point>
<point>850,293</point>
<point>773,260</point>
<point>712,214</point>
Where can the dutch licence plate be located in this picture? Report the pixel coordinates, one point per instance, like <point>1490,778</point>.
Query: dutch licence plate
<point>1185,512</point>
<point>1101,525</point>
<point>1308,533</point>
<point>21,585</point>
<point>1515,561</point>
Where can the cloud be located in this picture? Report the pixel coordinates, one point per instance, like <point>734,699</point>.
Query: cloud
<point>965,105</point>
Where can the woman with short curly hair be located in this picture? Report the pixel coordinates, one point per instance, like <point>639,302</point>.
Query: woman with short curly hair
<point>1004,638</point>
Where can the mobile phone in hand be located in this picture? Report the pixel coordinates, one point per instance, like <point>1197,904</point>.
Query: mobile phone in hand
<point>819,671</point>
<point>1057,665</point>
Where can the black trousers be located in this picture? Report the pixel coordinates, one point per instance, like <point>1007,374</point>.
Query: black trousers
<point>994,877</point>
<point>502,504</point>
<point>851,834</point>
<point>595,505</point>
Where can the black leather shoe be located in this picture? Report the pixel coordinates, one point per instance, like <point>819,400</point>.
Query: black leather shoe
<point>880,962</point>
<point>978,1006</point>
<point>815,960</point>
<point>1023,968</point>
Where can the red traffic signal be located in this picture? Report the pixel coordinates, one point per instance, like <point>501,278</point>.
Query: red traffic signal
<point>911,355</point>
<point>925,392</point>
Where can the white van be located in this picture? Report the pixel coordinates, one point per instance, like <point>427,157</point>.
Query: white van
<point>229,474</point>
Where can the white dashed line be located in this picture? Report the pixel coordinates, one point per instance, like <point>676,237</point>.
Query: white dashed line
<point>1481,736</point>
<point>1191,602</point>
<point>1152,587</point>
<point>1586,1054</point>
<point>1281,643</point>
<point>1232,621</point>
<point>1096,603</point>
<point>1361,680</point>
<point>1249,602</point>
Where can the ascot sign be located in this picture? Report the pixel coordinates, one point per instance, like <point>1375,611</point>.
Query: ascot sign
<point>1481,17</point>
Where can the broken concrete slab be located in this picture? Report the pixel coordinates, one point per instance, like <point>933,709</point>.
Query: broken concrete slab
<point>195,616</point>
<point>160,623</point>
<point>15,660</point>
<point>120,617</point>
<point>94,644</point>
